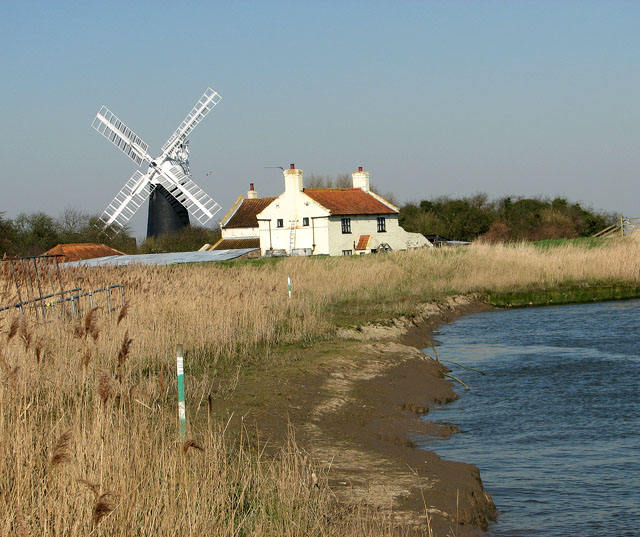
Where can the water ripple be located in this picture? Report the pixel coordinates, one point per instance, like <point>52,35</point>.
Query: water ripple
<point>554,426</point>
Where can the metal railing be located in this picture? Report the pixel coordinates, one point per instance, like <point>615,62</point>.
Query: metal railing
<point>38,288</point>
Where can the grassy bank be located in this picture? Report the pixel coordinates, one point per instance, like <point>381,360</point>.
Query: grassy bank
<point>87,406</point>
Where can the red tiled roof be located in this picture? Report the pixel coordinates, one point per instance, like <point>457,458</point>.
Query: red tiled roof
<point>363,242</point>
<point>80,251</point>
<point>348,201</point>
<point>245,215</point>
<point>236,244</point>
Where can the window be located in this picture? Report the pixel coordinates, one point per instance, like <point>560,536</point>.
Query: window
<point>305,221</point>
<point>279,223</point>
<point>346,226</point>
<point>347,252</point>
<point>382,224</point>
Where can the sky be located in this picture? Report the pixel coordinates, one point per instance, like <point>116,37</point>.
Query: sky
<point>433,98</point>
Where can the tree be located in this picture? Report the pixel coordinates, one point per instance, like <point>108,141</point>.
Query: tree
<point>7,236</point>
<point>35,233</point>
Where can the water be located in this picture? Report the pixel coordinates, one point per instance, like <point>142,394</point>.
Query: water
<point>554,426</point>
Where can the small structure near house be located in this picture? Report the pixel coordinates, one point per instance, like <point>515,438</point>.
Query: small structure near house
<point>80,251</point>
<point>239,226</point>
<point>332,221</point>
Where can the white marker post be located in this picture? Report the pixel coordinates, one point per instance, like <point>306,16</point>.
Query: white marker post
<point>289,286</point>
<point>182,406</point>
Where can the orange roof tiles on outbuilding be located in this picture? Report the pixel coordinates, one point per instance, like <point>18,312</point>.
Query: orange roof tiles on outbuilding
<point>80,251</point>
<point>245,215</point>
<point>348,201</point>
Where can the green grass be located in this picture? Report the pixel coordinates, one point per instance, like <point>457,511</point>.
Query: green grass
<point>572,295</point>
<point>581,242</point>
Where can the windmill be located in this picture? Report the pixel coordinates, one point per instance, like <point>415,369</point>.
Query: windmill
<point>167,179</point>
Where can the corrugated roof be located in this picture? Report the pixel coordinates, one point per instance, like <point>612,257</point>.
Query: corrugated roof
<point>78,251</point>
<point>170,258</point>
<point>363,242</point>
<point>234,244</point>
<point>245,215</point>
<point>348,201</point>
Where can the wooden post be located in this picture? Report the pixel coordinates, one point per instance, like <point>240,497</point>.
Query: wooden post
<point>182,406</point>
<point>622,226</point>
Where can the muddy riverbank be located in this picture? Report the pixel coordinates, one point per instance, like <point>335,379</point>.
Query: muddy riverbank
<point>354,405</point>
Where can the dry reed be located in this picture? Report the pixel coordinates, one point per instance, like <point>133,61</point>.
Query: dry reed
<point>226,317</point>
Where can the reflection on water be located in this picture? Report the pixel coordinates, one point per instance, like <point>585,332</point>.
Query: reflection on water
<point>554,426</point>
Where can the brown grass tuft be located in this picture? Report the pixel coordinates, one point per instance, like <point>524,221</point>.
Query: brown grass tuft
<point>102,507</point>
<point>38,351</point>
<point>60,453</point>
<point>105,386</point>
<point>85,359</point>
<point>91,324</point>
<point>78,331</point>
<point>190,443</point>
<point>93,487</point>
<point>124,349</point>
<point>14,327</point>
<point>123,313</point>
<point>122,355</point>
<point>25,335</point>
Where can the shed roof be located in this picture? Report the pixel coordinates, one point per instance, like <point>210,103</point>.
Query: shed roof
<point>80,251</point>
<point>245,214</point>
<point>235,244</point>
<point>348,201</point>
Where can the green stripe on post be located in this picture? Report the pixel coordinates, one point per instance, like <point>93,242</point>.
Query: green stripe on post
<point>182,406</point>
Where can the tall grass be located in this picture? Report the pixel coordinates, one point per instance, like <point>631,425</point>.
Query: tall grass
<point>88,442</point>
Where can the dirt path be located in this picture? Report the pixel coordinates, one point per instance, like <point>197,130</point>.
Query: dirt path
<point>355,405</point>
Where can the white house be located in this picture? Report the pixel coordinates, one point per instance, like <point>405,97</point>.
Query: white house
<point>239,227</point>
<point>332,221</point>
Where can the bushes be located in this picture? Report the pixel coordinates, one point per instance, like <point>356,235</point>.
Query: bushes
<point>504,219</point>
<point>35,233</point>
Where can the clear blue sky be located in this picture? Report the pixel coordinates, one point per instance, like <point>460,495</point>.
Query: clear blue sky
<point>433,98</point>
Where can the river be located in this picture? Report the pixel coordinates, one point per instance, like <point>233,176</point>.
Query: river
<point>554,424</point>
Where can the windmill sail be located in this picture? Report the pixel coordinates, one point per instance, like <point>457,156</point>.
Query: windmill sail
<point>204,105</point>
<point>201,206</point>
<point>127,202</point>
<point>170,170</point>
<point>107,124</point>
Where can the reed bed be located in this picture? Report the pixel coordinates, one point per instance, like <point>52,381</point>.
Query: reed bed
<point>88,436</point>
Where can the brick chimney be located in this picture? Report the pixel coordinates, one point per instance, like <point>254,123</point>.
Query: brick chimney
<point>252,194</point>
<point>292,179</point>
<point>361,179</point>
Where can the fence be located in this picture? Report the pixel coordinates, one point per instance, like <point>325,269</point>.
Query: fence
<point>34,285</point>
<point>620,229</point>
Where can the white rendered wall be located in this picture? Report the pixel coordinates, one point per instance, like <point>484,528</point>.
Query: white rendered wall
<point>240,232</point>
<point>294,204</point>
<point>394,236</point>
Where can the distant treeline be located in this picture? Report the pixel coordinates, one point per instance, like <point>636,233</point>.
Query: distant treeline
<point>35,233</point>
<point>504,219</point>
<point>466,218</point>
